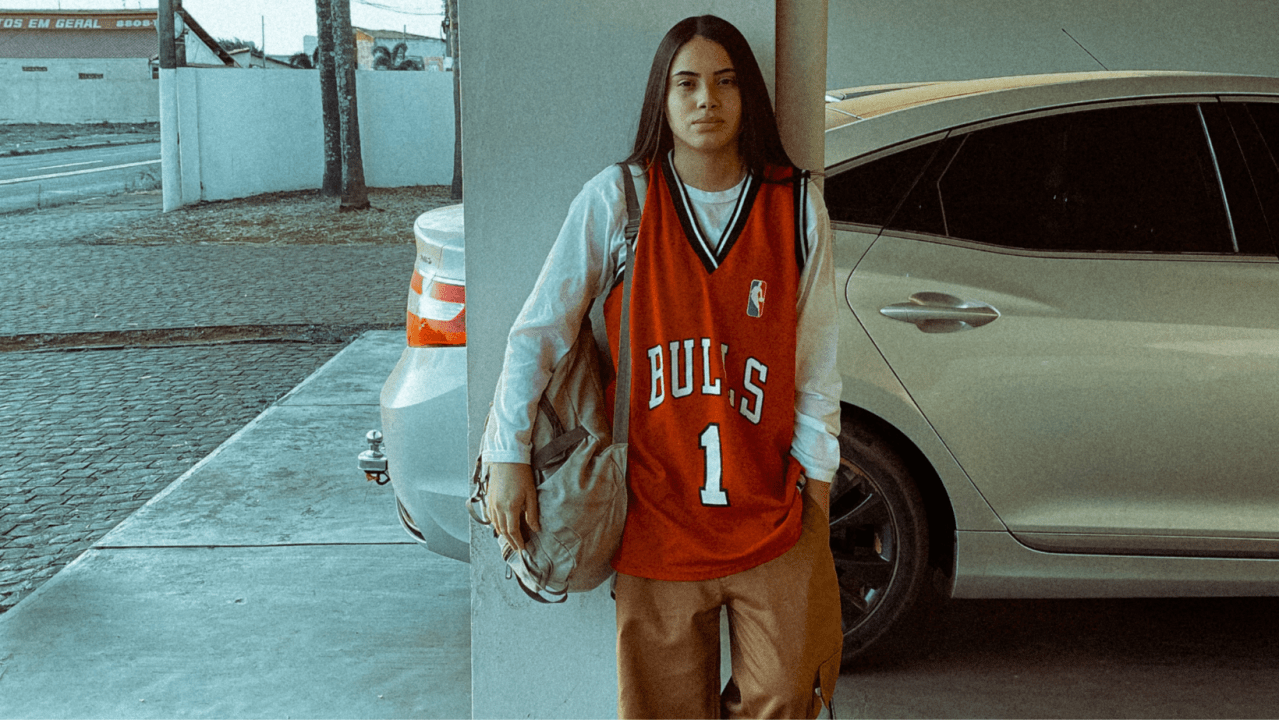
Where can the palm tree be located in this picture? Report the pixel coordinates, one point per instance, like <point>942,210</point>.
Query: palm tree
<point>355,194</point>
<point>396,59</point>
<point>399,57</point>
<point>236,43</point>
<point>332,183</point>
<point>381,58</point>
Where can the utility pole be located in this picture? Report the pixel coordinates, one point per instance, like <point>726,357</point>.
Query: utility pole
<point>165,28</point>
<point>170,157</point>
<point>451,34</point>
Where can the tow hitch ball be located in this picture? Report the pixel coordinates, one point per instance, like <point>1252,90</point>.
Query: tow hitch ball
<point>373,460</point>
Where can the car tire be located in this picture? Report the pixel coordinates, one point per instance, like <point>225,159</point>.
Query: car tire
<point>879,540</point>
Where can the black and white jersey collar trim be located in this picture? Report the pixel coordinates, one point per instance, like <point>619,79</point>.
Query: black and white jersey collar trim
<point>712,252</point>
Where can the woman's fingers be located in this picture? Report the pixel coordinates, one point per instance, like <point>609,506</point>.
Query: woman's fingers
<point>512,527</point>
<point>506,522</point>
<point>531,511</point>
<point>512,495</point>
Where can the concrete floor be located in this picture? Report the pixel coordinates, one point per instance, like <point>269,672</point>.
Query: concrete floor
<point>1128,658</point>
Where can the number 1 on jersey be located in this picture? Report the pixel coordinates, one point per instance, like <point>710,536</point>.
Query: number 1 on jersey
<point>712,490</point>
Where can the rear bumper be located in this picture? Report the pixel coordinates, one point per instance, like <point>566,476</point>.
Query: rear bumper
<point>432,536</point>
<point>424,423</point>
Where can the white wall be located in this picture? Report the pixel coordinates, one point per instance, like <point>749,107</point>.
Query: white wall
<point>535,131</point>
<point>125,93</point>
<point>245,133</point>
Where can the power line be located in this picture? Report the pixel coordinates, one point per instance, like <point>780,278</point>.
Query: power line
<point>392,8</point>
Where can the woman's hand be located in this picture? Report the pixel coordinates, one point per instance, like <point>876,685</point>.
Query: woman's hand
<point>512,496</point>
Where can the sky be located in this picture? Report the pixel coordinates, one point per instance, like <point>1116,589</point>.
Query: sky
<point>286,21</point>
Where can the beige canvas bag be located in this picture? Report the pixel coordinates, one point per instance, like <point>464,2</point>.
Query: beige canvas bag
<point>579,460</point>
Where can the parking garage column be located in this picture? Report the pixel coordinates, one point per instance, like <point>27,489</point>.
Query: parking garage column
<point>801,80</point>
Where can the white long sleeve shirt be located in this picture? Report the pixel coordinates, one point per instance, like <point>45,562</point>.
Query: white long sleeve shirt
<point>583,264</point>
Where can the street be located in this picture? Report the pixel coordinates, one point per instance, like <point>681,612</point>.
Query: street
<point>48,179</point>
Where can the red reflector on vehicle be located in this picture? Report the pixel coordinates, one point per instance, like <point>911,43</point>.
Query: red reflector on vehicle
<point>448,293</point>
<point>425,332</point>
<point>436,313</point>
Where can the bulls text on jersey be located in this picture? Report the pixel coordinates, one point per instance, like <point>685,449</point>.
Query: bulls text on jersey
<point>672,374</point>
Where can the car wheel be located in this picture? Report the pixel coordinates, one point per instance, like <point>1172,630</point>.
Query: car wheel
<point>879,539</point>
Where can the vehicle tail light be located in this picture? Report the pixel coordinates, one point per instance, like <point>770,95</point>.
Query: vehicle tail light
<point>437,312</point>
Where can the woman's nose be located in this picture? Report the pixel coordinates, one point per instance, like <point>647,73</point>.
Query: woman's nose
<point>708,98</point>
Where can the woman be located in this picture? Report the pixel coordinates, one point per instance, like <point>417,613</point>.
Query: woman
<point>734,402</point>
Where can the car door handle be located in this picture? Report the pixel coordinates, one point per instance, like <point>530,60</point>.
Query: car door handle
<point>934,312</point>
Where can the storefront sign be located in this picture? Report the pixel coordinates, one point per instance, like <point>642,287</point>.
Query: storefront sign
<point>94,21</point>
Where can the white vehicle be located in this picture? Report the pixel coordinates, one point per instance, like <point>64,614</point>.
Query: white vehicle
<point>1059,344</point>
<point>423,402</point>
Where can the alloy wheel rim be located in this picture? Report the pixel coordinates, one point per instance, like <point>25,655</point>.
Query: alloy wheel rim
<point>863,542</point>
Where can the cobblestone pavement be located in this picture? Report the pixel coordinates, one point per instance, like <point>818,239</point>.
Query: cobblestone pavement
<point>56,226</point>
<point>55,283</point>
<point>88,436</point>
<point>97,288</point>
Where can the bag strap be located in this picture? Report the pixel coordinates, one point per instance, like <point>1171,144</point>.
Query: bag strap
<point>622,394</point>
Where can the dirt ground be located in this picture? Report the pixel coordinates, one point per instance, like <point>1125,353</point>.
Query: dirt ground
<point>286,218</point>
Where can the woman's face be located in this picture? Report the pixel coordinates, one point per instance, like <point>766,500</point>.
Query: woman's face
<point>703,102</point>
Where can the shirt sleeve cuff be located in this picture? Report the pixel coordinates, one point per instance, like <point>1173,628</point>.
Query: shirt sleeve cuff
<point>814,470</point>
<point>517,455</point>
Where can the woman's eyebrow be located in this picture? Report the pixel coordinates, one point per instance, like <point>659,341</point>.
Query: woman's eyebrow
<point>690,73</point>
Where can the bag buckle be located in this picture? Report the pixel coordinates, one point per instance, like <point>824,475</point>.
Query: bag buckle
<point>475,505</point>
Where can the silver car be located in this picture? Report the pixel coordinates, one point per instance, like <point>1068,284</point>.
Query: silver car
<point>1058,351</point>
<point>423,401</point>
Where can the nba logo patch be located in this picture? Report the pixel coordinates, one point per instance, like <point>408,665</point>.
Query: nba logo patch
<point>755,301</point>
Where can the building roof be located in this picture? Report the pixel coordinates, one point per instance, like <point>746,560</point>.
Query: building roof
<point>89,34</point>
<point>78,33</point>
<point>392,34</point>
<point>249,57</point>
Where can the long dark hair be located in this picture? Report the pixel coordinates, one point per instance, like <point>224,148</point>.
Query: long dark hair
<point>758,144</point>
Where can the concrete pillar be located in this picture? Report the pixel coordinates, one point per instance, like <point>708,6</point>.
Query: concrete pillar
<point>801,80</point>
<point>170,163</point>
<point>170,155</point>
<point>551,94</point>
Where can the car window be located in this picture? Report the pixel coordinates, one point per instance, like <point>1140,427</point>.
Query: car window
<point>1111,180</point>
<point>1234,139</point>
<point>1262,151</point>
<point>869,193</point>
<point>1266,116</point>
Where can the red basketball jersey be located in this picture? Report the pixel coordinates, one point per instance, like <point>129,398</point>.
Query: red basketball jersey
<point>712,486</point>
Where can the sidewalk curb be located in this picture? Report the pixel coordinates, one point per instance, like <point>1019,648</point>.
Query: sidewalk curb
<point>59,148</point>
<point>313,333</point>
<point>103,543</point>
